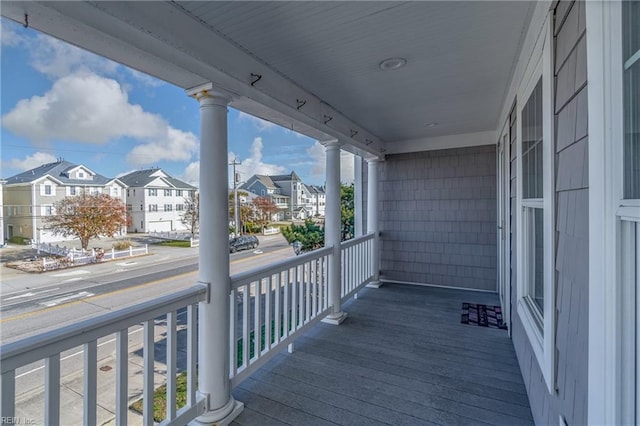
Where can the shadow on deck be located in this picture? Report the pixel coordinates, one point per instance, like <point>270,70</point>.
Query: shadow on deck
<point>402,357</point>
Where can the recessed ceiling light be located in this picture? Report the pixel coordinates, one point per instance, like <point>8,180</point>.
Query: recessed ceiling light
<point>393,63</point>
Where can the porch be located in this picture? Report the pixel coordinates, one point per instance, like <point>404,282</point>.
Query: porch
<point>401,357</point>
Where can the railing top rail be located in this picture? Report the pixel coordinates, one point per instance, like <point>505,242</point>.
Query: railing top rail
<point>43,345</point>
<point>242,278</point>
<point>355,241</point>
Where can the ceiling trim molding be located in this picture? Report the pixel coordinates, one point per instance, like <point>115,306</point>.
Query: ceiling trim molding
<point>443,142</point>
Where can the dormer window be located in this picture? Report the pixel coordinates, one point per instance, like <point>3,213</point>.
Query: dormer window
<point>80,175</point>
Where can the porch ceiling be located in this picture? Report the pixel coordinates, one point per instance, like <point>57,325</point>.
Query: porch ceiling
<point>460,58</point>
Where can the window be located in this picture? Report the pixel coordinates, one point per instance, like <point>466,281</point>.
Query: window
<point>153,207</point>
<point>535,263</point>
<point>115,191</point>
<point>48,210</point>
<point>533,202</point>
<point>179,207</point>
<point>129,207</point>
<point>128,193</point>
<point>168,192</point>
<point>73,190</point>
<point>153,192</point>
<point>631,71</point>
<point>179,192</point>
<point>168,207</point>
<point>80,175</point>
<point>141,207</point>
<point>47,189</point>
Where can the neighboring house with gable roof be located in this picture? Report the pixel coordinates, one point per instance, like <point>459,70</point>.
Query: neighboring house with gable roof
<point>293,198</point>
<point>28,197</point>
<point>156,200</point>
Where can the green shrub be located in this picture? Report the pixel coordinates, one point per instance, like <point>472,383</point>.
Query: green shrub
<point>122,244</point>
<point>20,240</point>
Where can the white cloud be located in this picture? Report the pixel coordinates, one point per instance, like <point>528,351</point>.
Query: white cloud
<point>319,167</point>
<point>192,173</point>
<point>254,164</point>
<point>88,108</point>
<point>57,59</point>
<point>9,34</point>
<point>31,161</point>
<point>259,123</point>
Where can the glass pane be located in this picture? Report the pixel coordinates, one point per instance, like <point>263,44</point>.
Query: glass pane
<point>631,51</point>
<point>532,144</point>
<point>538,261</point>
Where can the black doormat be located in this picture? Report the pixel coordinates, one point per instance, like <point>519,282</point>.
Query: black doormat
<point>482,315</point>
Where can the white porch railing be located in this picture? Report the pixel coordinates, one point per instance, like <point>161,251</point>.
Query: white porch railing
<point>48,347</point>
<point>271,231</point>
<point>357,264</point>
<point>270,306</point>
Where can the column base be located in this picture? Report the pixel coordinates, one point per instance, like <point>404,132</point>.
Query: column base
<point>221,417</point>
<point>335,319</point>
<point>374,284</point>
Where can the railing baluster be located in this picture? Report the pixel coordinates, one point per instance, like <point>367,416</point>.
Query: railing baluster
<point>307,291</point>
<point>52,390</point>
<point>8,400</point>
<point>257,309</point>
<point>148,362</point>
<point>277,308</point>
<point>246,305</point>
<point>267,314</point>
<point>294,301</point>
<point>314,288</point>
<point>192,352</point>
<point>287,295</point>
<point>122,376</point>
<point>301,295</point>
<point>172,356</point>
<point>233,326</point>
<point>90,382</point>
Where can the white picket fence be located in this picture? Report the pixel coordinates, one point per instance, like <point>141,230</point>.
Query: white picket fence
<point>72,256</point>
<point>270,231</point>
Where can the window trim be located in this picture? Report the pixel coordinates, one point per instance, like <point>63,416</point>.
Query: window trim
<point>542,340</point>
<point>608,372</point>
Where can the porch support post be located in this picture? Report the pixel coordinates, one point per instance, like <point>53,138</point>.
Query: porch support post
<point>372,218</point>
<point>213,314</point>
<point>332,223</point>
<point>358,222</point>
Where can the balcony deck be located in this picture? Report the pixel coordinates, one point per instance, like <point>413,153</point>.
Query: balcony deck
<point>402,357</point>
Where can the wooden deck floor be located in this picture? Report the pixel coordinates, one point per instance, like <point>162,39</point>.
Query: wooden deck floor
<point>401,358</point>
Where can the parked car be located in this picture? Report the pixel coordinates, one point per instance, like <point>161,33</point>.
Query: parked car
<point>243,243</point>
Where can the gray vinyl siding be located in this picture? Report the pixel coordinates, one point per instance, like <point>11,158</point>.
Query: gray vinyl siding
<point>571,236</point>
<point>438,217</point>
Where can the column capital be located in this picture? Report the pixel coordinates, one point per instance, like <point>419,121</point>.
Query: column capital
<point>207,94</point>
<point>374,160</point>
<point>331,144</point>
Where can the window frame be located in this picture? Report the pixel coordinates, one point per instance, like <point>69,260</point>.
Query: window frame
<point>611,372</point>
<point>539,326</point>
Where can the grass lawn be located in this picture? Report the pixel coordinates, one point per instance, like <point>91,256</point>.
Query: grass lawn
<point>174,243</point>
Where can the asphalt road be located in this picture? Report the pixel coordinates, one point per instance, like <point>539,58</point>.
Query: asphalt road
<point>33,303</point>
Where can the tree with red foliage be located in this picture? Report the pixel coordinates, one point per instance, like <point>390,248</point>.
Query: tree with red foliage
<point>266,208</point>
<point>87,216</point>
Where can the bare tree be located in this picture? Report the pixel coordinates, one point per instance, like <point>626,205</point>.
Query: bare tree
<point>191,216</point>
<point>87,216</point>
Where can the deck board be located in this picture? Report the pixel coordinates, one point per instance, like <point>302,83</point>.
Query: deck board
<point>401,358</point>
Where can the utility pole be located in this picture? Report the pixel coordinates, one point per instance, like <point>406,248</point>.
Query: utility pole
<point>235,195</point>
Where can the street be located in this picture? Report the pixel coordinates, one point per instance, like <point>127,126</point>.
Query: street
<point>58,298</point>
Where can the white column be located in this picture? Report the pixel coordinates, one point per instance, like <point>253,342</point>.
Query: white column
<point>372,217</point>
<point>213,315</point>
<point>358,222</point>
<point>332,225</point>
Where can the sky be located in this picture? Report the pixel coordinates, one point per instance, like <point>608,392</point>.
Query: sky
<point>58,101</point>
